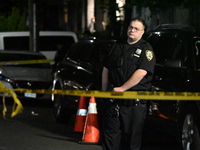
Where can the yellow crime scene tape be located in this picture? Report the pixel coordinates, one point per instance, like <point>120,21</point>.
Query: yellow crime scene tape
<point>102,94</point>
<point>17,108</point>
<point>120,95</point>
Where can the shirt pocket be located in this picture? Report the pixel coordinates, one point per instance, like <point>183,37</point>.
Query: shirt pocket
<point>132,59</point>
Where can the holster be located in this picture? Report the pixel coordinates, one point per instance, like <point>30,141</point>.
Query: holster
<point>110,87</point>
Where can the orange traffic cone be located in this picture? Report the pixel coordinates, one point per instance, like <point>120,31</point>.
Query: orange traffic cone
<point>81,115</point>
<point>91,134</point>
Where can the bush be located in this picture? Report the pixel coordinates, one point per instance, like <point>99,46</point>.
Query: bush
<point>14,21</point>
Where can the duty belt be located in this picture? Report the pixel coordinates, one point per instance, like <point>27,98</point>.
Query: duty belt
<point>124,102</point>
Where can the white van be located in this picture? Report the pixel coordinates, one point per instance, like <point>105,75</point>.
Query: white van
<point>47,42</point>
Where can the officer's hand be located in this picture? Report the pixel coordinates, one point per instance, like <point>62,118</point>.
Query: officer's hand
<point>118,89</point>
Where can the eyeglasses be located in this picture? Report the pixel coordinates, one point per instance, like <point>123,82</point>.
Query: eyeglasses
<point>134,29</point>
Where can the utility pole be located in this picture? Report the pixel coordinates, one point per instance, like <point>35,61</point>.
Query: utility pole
<point>34,33</point>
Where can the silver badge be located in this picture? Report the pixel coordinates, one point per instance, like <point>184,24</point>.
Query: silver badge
<point>138,51</point>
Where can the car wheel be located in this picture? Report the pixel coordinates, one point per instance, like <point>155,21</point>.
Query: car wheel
<point>190,139</point>
<point>60,113</point>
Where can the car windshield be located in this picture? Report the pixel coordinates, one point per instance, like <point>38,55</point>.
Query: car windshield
<point>84,51</point>
<point>6,57</point>
<point>166,46</point>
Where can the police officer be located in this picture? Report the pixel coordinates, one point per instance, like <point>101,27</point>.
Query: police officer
<point>128,67</point>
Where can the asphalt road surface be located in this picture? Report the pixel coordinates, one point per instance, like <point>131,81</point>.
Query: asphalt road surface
<point>35,129</point>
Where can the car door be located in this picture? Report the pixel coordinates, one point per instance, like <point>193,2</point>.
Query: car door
<point>168,46</point>
<point>195,71</point>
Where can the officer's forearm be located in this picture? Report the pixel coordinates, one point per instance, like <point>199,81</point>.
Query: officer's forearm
<point>104,79</point>
<point>134,80</point>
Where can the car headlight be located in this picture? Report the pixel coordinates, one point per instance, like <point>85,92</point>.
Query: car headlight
<point>6,84</point>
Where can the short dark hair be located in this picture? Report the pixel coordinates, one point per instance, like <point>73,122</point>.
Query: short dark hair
<point>140,20</point>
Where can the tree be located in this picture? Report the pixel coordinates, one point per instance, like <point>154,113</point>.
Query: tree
<point>13,21</point>
<point>7,5</point>
<point>13,15</point>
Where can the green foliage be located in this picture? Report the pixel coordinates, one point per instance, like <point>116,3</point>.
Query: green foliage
<point>14,21</point>
<point>7,5</point>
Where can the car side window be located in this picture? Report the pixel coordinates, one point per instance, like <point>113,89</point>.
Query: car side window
<point>166,46</point>
<point>197,53</point>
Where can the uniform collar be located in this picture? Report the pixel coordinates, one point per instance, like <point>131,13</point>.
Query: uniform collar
<point>138,43</point>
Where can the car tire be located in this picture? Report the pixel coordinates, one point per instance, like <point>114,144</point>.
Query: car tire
<point>60,113</point>
<point>189,134</point>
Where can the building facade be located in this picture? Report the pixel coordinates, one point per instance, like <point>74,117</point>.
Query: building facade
<point>89,15</point>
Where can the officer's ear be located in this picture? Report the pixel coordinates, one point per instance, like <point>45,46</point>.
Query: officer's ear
<point>143,31</point>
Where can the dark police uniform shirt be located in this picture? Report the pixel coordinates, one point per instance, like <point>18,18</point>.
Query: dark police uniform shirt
<point>124,59</point>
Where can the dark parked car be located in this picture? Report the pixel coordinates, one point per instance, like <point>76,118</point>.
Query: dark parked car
<point>177,69</point>
<point>80,70</point>
<point>16,75</point>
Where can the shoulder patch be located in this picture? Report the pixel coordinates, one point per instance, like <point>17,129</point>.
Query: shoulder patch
<point>149,55</point>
